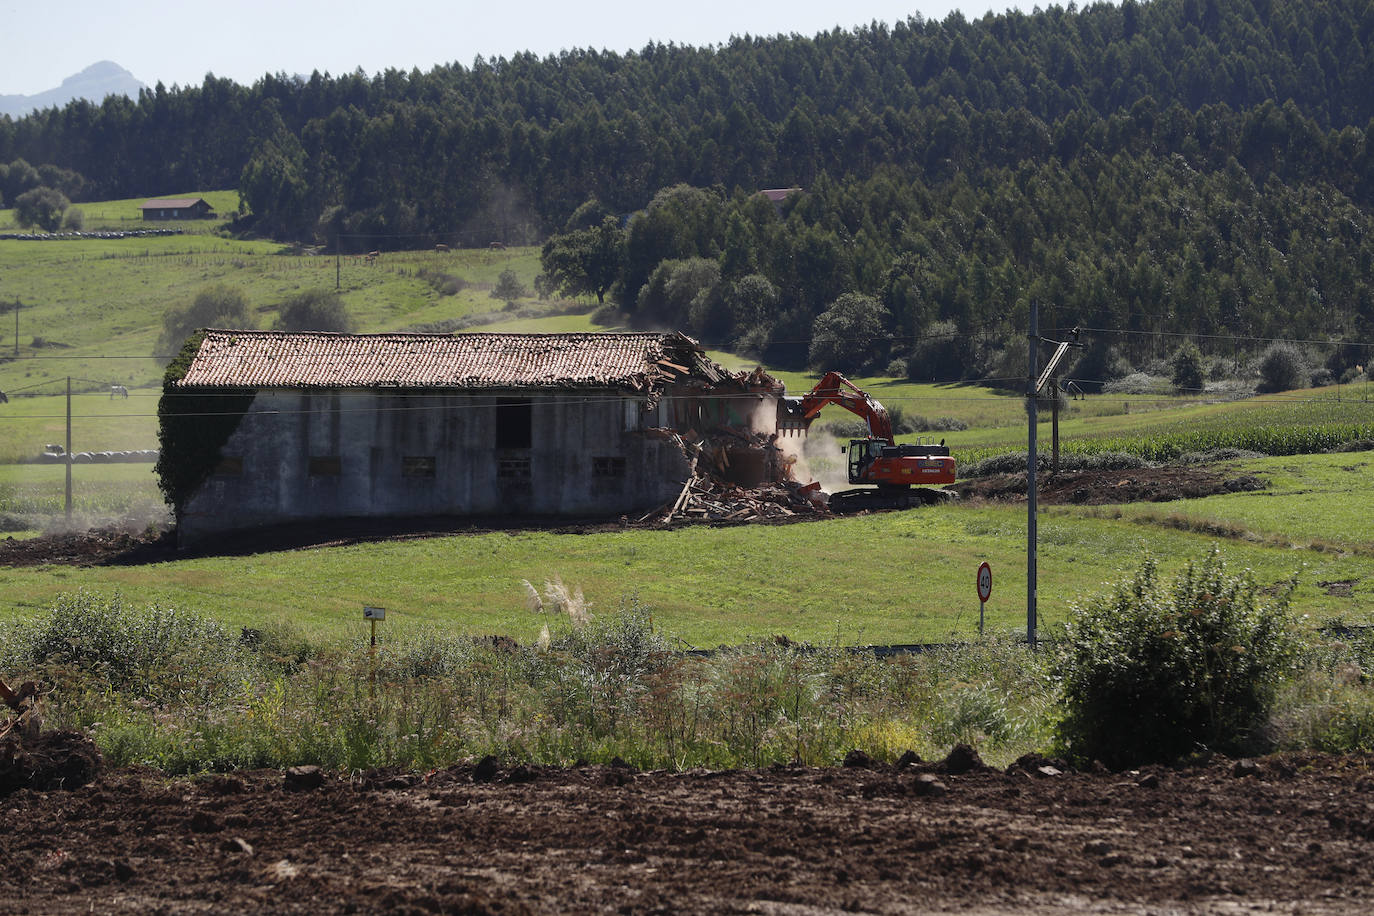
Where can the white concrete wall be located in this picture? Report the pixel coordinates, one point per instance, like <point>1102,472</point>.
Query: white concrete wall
<point>372,432</point>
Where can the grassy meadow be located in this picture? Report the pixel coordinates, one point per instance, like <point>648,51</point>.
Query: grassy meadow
<point>149,659</point>
<point>894,577</point>
<point>92,309</point>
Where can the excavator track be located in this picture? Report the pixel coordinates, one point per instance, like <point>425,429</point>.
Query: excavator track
<point>863,499</point>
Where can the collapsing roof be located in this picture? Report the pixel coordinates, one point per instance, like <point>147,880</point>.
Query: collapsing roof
<point>641,362</point>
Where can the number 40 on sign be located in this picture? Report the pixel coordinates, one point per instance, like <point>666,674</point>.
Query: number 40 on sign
<point>984,592</point>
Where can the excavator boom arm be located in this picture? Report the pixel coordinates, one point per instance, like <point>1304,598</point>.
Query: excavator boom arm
<point>834,388</point>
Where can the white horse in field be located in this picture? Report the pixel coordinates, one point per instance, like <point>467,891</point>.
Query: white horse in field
<point>118,391</point>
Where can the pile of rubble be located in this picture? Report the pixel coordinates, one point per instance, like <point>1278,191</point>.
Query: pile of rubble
<point>31,758</point>
<point>737,476</point>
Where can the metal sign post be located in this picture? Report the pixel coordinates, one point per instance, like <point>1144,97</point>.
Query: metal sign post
<point>372,615</point>
<point>984,592</point>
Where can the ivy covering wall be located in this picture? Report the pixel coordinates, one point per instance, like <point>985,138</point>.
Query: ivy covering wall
<point>193,426</point>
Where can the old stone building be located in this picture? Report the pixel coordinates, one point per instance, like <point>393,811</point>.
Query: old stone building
<point>386,425</point>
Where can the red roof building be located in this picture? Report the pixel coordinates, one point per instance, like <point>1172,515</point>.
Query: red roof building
<point>369,425</point>
<point>177,208</point>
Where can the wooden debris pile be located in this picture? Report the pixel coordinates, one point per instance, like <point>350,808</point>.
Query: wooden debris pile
<point>738,476</point>
<point>20,712</point>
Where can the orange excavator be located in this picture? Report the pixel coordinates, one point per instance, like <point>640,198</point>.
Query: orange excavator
<point>898,476</point>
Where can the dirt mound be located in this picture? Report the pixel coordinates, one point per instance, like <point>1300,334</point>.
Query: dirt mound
<point>1094,488</point>
<point>50,760</point>
<point>1280,835</point>
<point>109,545</point>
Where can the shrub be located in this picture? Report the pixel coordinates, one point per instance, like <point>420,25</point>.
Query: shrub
<point>1213,455</point>
<point>1281,368</point>
<point>1100,364</point>
<point>1136,383</point>
<point>608,316</point>
<point>192,428</point>
<point>442,283</point>
<point>217,306</point>
<point>1155,672</point>
<point>156,653</point>
<point>1187,368</point>
<point>508,287</point>
<point>1015,462</point>
<point>314,310</point>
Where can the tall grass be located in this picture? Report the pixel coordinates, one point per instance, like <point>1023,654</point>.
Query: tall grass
<point>177,692</point>
<point>160,687</point>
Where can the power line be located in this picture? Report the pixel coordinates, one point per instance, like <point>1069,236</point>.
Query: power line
<point>1230,337</point>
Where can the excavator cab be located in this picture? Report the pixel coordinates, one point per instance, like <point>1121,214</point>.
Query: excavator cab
<point>862,453</point>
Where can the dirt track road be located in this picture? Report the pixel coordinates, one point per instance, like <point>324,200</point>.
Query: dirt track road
<point>1291,836</point>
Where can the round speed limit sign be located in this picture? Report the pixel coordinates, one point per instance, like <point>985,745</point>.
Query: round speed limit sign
<point>984,582</point>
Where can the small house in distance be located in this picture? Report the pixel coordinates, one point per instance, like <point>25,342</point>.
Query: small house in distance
<point>177,208</point>
<point>323,425</point>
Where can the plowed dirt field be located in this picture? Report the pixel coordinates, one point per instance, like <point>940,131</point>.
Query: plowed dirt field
<point>1286,835</point>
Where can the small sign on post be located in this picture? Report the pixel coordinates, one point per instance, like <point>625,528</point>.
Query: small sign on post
<point>984,592</point>
<point>374,614</point>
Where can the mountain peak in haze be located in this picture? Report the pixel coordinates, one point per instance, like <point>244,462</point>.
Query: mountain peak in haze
<point>94,83</point>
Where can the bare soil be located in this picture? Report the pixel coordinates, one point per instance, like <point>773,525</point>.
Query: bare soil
<point>1096,488</point>
<point>1283,834</point>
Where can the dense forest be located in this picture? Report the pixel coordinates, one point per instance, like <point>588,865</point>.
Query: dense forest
<point>1185,166</point>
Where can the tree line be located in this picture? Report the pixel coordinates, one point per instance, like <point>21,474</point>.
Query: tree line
<point>1182,165</point>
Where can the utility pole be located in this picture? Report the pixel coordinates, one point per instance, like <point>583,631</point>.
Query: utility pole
<point>69,448</point>
<point>1034,385</point>
<point>1033,413</point>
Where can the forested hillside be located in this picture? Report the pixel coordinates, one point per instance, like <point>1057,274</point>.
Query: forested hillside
<point>1193,166</point>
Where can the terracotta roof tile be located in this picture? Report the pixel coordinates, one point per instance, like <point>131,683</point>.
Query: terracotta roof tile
<point>314,359</point>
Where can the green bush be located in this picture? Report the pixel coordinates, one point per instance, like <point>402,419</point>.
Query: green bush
<point>1187,374</point>
<point>216,306</point>
<point>315,310</point>
<point>1155,672</point>
<point>154,653</point>
<point>1282,368</point>
<point>508,287</point>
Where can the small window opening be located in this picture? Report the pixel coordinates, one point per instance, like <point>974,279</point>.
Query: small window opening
<point>514,425</point>
<point>417,466</point>
<point>325,466</point>
<point>513,468</point>
<point>608,466</point>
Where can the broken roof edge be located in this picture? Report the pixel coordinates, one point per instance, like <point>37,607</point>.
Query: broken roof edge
<point>640,362</point>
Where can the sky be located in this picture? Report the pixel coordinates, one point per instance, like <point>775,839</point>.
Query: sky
<point>179,43</point>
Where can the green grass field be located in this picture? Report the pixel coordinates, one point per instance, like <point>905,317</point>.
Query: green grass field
<point>35,493</point>
<point>897,577</point>
<point>1313,502</point>
<point>125,214</point>
<point>92,308</point>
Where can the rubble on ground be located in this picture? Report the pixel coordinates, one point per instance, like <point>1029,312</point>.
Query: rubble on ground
<point>737,475</point>
<point>31,758</point>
